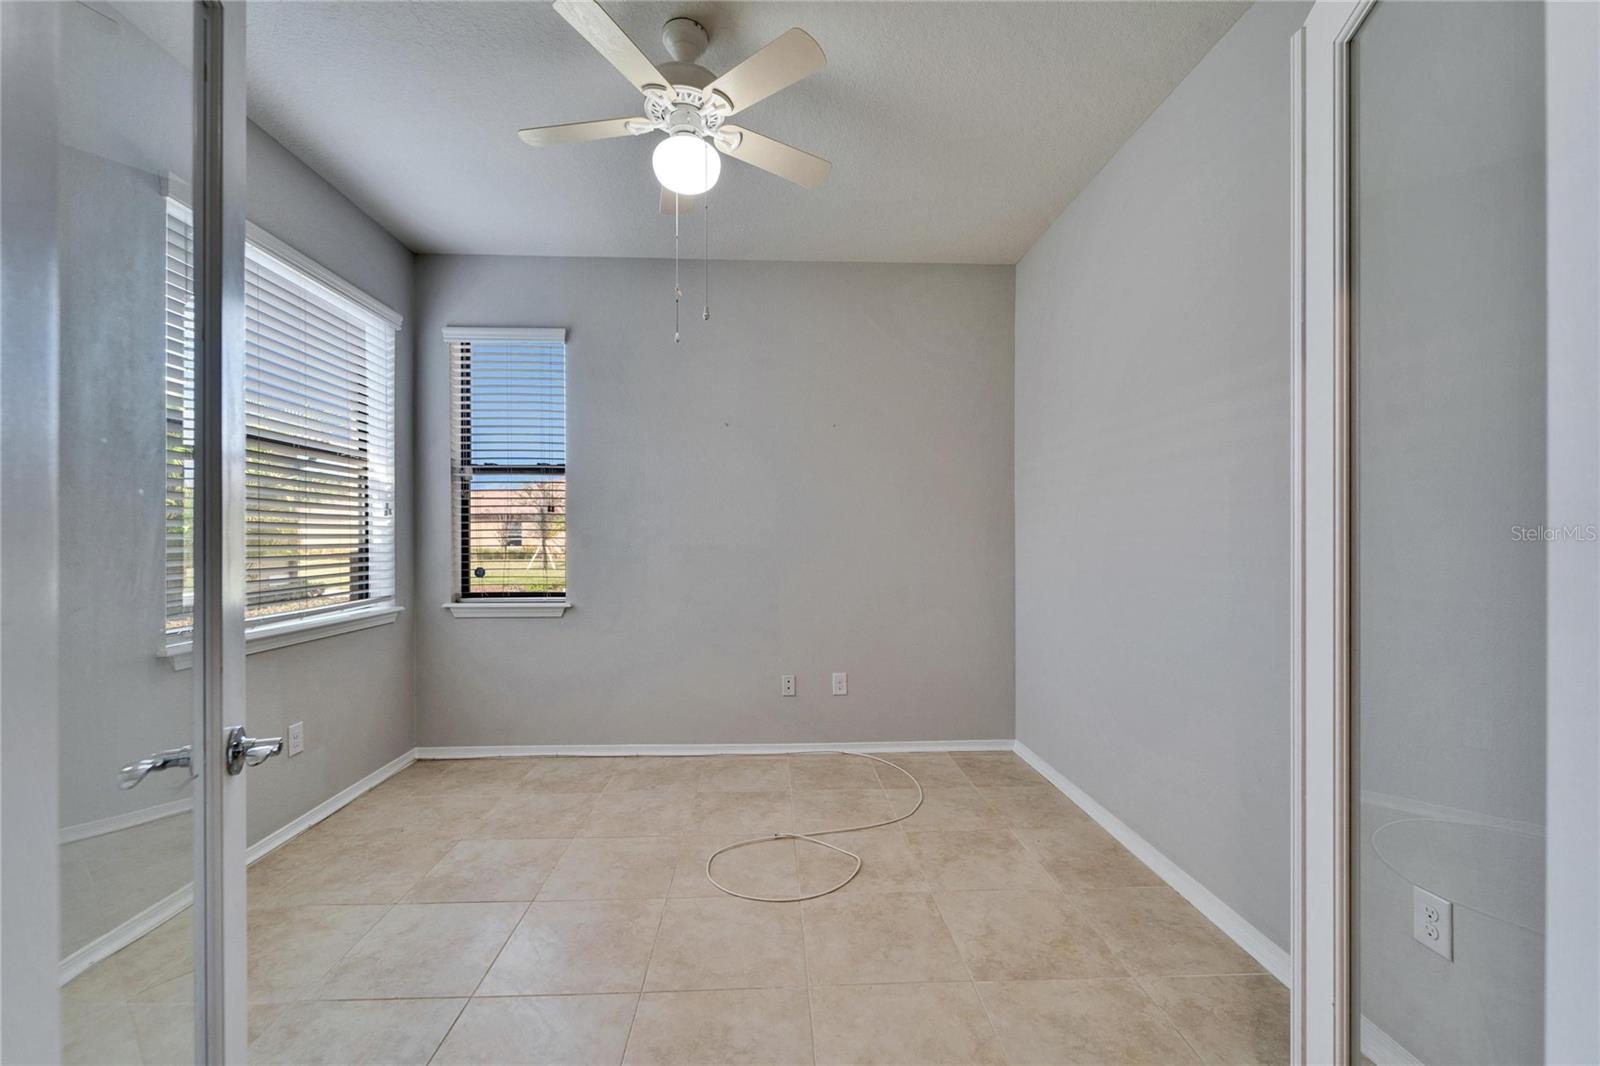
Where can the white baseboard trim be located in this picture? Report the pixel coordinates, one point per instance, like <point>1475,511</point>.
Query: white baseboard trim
<point>109,943</point>
<point>1273,959</point>
<point>276,839</point>
<point>1383,1049</point>
<point>99,827</point>
<point>510,751</point>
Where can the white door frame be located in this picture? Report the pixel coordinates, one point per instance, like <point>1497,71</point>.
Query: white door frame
<point>221,994</point>
<point>1320,986</point>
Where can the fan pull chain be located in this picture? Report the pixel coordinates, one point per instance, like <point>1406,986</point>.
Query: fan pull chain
<point>705,312</point>
<point>677,289</point>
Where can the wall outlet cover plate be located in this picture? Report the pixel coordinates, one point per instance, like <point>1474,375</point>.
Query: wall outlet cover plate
<point>1433,922</point>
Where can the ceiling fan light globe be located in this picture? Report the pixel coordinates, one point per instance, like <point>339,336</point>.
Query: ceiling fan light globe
<point>686,164</point>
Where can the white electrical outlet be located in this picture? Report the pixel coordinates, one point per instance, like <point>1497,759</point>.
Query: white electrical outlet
<point>786,685</point>
<point>297,738</point>
<point>1433,922</point>
<point>838,685</point>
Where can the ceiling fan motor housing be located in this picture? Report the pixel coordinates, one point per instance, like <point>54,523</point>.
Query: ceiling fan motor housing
<point>683,105</point>
<point>686,109</point>
<point>685,39</point>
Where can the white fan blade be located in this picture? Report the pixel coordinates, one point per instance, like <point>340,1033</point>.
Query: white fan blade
<point>574,132</point>
<point>598,28</point>
<point>778,158</point>
<point>777,66</point>
<point>686,204</point>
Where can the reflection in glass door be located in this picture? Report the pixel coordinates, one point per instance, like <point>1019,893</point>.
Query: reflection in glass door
<point>1447,457</point>
<point>128,701</point>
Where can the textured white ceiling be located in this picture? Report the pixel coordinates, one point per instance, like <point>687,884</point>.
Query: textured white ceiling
<point>957,130</point>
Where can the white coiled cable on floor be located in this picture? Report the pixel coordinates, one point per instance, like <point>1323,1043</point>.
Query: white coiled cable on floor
<point>811,838</point>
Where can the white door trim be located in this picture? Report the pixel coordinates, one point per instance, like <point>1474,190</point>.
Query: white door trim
<point>1321,1024</point>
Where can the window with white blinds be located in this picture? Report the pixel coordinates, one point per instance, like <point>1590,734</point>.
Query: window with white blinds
<point>510,388</point>
<point>319,441</point>
<point>179,490</point>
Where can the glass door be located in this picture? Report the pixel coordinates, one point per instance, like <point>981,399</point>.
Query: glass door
<point>1448,531</point>
<point>127,489</point>
<point>1439,655</point>
<point>148,271</point>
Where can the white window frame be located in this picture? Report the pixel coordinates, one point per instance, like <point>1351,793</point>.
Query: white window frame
<point>502,606</point>
<point>267,633</point>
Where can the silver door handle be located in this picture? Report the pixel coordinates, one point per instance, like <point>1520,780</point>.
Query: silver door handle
<point>249,751</point>
<point>161,760</point>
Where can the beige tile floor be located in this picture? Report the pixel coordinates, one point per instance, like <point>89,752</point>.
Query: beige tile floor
<point>556,910</point>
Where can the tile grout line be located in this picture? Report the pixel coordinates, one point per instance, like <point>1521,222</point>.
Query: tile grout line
<point>1008,830</point>
<point>972,981</point>
<point>805,952</point>
<point>467,1002</point>
<point>307,995</point>
<point>1138,982</point>
<point>649,958</point>
<point>497,797</point>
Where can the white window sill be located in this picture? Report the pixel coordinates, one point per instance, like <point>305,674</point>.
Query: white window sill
<point>268,635</point>
<point>508,608</point>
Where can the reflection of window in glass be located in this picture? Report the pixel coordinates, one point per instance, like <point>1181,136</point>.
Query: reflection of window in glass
<point>511,461</point>
<point>319,439</point>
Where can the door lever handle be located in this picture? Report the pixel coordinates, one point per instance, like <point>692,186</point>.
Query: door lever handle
<point>260,752</point>
<point>161,760</point>
<point>246,750</point>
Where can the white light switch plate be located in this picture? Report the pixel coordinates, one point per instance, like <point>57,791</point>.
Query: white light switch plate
<point>786,685</point>
<point>838,685</point>
<point>297,738</point>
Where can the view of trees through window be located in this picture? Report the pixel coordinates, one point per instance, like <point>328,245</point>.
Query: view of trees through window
<point>518,534</point>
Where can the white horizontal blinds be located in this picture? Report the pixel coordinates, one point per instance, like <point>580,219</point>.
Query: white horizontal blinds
<point>319,447</point>
<point>511,470</point>
<point>319,440</point>
<point>179,406</point>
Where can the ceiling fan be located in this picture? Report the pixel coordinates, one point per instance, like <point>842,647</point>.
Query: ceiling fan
<point>691,105</point>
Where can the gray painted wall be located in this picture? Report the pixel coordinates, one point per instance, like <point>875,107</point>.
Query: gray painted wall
<point>1449,443</point>
<point>353,691</point>
<point>818,479</point>
<point>1152,478</point>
